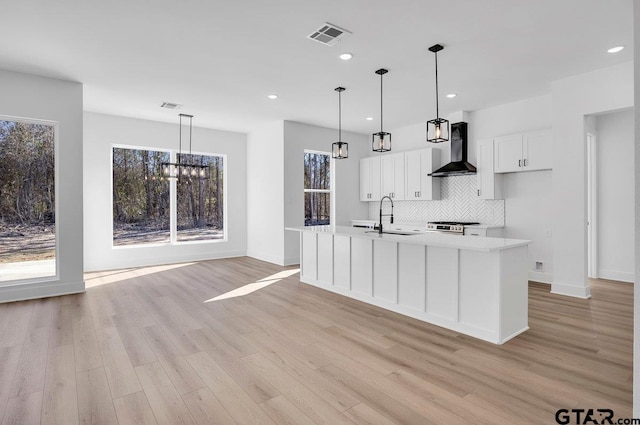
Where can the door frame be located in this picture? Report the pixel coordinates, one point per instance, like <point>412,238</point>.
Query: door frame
<point>592,206</point>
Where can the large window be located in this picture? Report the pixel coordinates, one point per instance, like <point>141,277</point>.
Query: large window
<point>200,201</point>
<point>140,197</point>
<point>317,188</point>
<point>149,207</point>
<point>27,200</point>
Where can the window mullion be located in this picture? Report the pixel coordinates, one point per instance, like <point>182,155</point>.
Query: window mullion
<point>173,204</point>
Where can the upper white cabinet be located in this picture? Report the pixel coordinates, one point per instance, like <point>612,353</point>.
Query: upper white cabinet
<point>489,186</point>
<point>392,173</point>
<point>418,164</point>
<point>401,176</point>
<point>370,179</point>
<point>523,152</point>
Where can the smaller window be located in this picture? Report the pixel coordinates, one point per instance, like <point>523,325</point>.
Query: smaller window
<point>317,188</point>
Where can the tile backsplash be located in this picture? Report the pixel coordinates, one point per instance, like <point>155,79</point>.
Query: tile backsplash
<point>459,202</point>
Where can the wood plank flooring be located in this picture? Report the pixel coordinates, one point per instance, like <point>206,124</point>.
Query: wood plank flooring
<point>155,346</point>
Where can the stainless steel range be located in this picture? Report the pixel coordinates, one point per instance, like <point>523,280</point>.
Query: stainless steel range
<point>453,227</point>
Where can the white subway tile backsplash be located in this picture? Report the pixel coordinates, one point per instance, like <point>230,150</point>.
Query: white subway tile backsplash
<point>459,202</point>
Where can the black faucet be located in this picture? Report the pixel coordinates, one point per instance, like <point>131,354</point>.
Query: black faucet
<point>385,215</point>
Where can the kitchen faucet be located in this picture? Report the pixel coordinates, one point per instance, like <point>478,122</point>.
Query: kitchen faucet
<point>385,215</point>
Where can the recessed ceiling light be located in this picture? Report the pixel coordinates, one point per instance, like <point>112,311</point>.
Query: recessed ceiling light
<point>346,56</point>
<point>369,118</point>
<point>615,49</point>
<point>273,96</point>
<point>170,105</point>
<point>451,95</point>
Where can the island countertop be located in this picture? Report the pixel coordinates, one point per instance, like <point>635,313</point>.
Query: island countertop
<point>428,239</point>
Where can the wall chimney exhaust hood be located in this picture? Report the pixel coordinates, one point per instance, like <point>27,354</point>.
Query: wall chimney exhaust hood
<point>458,165</point>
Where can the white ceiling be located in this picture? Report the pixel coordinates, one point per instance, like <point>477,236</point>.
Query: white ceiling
<point>222,58</point>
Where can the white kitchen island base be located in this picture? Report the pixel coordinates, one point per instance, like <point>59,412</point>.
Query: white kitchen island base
<point>477,287</point>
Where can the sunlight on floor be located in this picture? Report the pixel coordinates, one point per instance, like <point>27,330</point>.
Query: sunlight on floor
<point>103,278</point>
<point>252,287</point>
<point>27,270</point>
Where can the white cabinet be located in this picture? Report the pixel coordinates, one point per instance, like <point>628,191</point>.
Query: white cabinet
<point>418,164</point>
<point>370,179</point>
<point>392,172</point>
<point>489,186</point>
<point>537,151</point>
<point>491,232</point>
<point>523,152</point>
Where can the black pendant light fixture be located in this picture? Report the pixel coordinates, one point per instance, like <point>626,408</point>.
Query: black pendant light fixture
<point>340,149</point>
<point>381,140</point>
<point>438,128</point>
<point>180,168</point>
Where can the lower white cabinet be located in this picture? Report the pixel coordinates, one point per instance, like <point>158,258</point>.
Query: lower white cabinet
<point>491,232</point>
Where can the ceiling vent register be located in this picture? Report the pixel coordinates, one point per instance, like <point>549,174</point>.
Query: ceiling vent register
<point>329,34</point>
<point>170,105</point>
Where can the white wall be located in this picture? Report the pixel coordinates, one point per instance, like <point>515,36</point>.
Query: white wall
<point>297,138</point>
<point>575,97</point>
<point>636,298</point>
<point>528,198</point>
<point>615,188</point>
<point>101,132</point>
<point>27,96</point>
<point>265,196</point>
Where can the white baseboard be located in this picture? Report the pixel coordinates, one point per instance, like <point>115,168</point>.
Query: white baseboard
<point>570,290</point>
<point>159,260</point>
<point>28,291</point>
<point>616,275</point>
<point>541,277</point>
<point>280,261</point>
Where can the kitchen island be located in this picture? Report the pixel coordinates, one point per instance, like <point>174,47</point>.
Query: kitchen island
<point>473,285</point>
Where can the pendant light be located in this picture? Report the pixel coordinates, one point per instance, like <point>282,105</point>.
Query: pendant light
<point>438,128</point>
<point>340,149</point>
<point>180,168</point>
<point>382,140</point>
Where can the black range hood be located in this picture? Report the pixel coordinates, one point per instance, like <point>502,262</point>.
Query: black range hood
<point>458,165</point>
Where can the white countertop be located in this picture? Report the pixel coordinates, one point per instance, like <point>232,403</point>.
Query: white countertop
<point>429,238</point>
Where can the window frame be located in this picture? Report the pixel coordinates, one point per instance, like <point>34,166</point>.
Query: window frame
<point>330,191</point>
<point>173,199</point>
<point>56,185</point>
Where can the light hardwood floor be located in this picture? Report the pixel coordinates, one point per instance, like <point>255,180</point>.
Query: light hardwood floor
<point>143,346</point>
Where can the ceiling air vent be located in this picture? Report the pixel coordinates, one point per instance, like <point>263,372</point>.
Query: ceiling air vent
<point>329,34</point>
<point>170,105</point>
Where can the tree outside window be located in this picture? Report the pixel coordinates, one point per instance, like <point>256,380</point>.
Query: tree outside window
<point>317,188</point>
<point>142,199</point>
<point>27,199</point>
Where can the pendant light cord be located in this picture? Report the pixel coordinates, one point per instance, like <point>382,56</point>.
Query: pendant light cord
<point>437,107</point>
<point>190,131</point>
<point>340,116</point>
<point>381,102</point>
<point>180,138</point>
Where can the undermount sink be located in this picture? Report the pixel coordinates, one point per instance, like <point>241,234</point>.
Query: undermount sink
<point>394,232</point>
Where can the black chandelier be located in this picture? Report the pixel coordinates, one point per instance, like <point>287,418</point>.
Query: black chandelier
<point>340,149</point>
<point>438,128</point>
<point>381,141</point>
<point>181,169</point>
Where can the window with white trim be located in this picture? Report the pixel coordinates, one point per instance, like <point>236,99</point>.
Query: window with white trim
<point>317,188</point>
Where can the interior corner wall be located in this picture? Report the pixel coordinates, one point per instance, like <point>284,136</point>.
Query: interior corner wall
<point>101,132</point>
<point>528,200</point>
<point>608,89</point>
<point>615,185</point>
<point>28,96</point>
<point>265,193</point>
<point>297,138</point>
